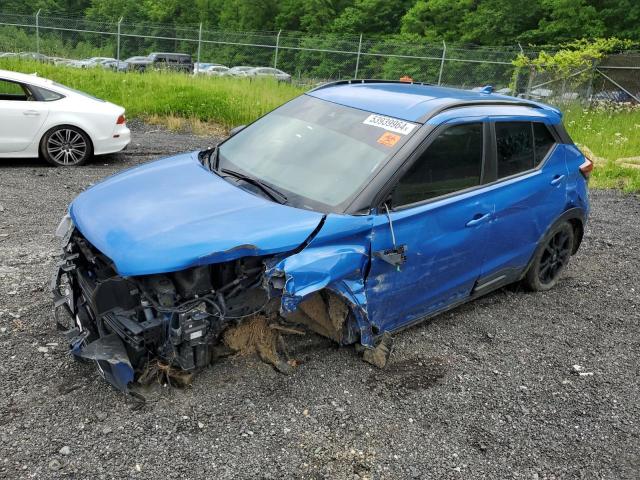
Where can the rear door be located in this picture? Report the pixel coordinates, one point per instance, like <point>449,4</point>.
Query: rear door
<point>21,116</point>
<point>438,221</point>
<point>529,175</point>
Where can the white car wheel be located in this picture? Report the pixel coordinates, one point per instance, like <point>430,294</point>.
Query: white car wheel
<point>66,146</point>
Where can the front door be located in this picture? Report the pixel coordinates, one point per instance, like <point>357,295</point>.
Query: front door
<point>438,221</point>
<point>21,117</point>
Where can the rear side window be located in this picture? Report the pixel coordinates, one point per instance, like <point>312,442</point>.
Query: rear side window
<point>45,95</point>
<point>514,142</point>
<point>451,163</point>
<point>521,146</point>
<point>543,141</point>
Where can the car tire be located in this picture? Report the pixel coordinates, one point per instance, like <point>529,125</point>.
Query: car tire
<point>551,258</point>
<point>66,146</point>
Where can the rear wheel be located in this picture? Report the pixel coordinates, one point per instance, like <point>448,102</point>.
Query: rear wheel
<point>66,146</point>
<point>551,258</point>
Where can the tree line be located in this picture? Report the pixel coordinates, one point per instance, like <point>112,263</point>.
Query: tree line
<point>462,22</point>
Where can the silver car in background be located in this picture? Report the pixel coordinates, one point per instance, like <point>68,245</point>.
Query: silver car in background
<point>269,72</point>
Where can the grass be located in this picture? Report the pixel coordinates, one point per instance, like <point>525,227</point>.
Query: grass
<point>611,134</point>
<point>222,100</point>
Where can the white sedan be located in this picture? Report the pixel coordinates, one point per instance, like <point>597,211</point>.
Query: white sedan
<point>66,127</point>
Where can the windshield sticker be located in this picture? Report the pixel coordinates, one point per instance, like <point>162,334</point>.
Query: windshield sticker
<point>388,139</point>
<point>389,123</point>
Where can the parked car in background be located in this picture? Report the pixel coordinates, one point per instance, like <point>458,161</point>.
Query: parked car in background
<point>240,71</point>
<point>92,62</point>
<point>180,62</point>
<point>540,93</point>
<point>114,65</point>
<point>216,70</point>
<point>357,210</point>
<point>137,63</point>
<point>615,96</point>
<point>203,66</point>
<point>33,56</point>
<point>269,72</point>
<point>66,127</point>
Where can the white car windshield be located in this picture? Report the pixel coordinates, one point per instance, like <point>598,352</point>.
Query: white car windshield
<point>319,154</point>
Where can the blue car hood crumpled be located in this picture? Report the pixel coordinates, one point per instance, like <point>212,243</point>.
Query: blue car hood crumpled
<point>173,214</point>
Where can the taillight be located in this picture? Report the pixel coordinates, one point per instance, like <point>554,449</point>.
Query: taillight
<point>586,168</point>
<point>121,120</point>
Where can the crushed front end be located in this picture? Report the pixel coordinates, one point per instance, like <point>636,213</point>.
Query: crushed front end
<point>176,319</point>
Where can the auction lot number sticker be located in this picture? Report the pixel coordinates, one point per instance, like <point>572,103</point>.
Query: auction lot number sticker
<point>390,123</point>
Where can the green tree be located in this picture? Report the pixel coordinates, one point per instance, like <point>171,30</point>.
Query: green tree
<point>436,20</point>
<point>248,15</point>
<point>565,20</point>
<point>372,16</point>
<point>312,16</point>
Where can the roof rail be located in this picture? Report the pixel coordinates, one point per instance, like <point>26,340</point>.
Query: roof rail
<point>474,103</point>
<point>366,80</point>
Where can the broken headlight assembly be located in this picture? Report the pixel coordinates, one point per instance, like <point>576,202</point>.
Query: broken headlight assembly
<point>175,320</point>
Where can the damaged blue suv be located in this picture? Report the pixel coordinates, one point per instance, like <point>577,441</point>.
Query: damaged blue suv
<point>355,210</point>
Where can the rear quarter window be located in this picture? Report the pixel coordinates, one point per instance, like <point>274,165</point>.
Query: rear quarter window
<point>521,146</point>
<point>514,145</point>
<point>543,141</point>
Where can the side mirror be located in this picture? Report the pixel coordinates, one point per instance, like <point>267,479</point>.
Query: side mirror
<point>235,130</point>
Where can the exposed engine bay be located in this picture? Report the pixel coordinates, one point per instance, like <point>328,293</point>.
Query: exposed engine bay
<point>180,321</point>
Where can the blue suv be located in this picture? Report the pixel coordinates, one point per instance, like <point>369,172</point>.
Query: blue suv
<point>355,210</point>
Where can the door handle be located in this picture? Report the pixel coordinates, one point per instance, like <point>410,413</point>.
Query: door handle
<point>557,179</point>
<point>478,219</point>
<point>31,113</point>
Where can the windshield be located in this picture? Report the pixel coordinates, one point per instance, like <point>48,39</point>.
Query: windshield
<point>319,154</point>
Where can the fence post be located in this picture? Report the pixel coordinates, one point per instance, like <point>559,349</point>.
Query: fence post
<point>199,46</point>
<point>118,45</point>
<point>516,75</point>
<point>532,74</point>
<point>444,54</point>
<point>38,32</point>
<point>358,57</point>
<point>591,78</point>
<point>275,58</point>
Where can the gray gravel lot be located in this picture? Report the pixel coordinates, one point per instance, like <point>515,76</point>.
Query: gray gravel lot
<point>486,391</point>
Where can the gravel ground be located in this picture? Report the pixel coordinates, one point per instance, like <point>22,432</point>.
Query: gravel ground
<point>486,391</point>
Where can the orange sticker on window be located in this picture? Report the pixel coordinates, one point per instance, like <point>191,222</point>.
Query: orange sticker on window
<point>388,139</point>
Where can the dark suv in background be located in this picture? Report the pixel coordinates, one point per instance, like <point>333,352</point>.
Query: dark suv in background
<point>181,62</point>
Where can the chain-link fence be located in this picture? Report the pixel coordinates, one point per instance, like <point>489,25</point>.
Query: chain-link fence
<point>311,59</point>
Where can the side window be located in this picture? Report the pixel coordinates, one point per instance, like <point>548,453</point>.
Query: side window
<point>543,141</point>
<point>451,163</point>
<point>12,91</point>
<point>45,95</point>
<point>514,142</point>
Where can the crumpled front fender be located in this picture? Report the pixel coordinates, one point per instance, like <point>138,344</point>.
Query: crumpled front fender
<point>336,259</point>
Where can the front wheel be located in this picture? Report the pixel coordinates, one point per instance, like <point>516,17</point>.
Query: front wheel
<point>66,146</point>
<point>551,259</point>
